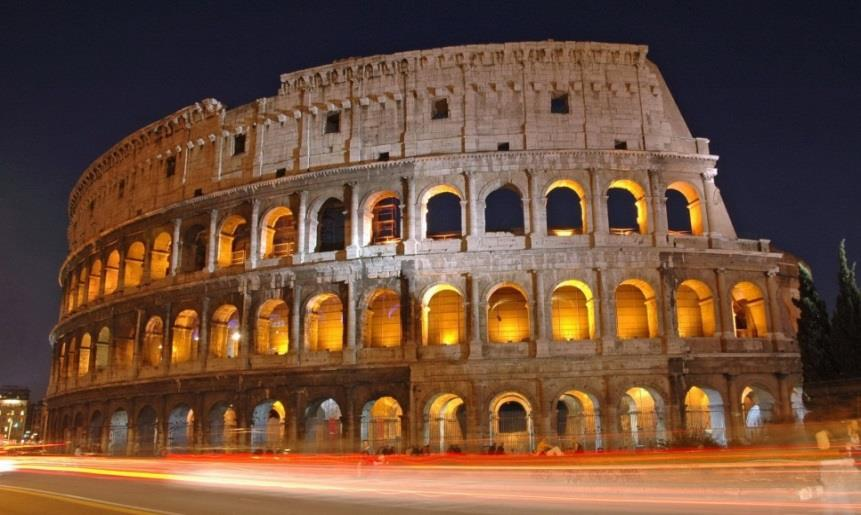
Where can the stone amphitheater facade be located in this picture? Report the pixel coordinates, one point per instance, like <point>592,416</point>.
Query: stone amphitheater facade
<point>416,249</point>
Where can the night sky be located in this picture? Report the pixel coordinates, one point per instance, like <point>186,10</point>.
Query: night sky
<point>776,88</point>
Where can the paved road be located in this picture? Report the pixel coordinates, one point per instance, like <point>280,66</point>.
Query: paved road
<point>242,486</point>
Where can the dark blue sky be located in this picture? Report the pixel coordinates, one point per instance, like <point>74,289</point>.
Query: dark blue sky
<point>776,87</point>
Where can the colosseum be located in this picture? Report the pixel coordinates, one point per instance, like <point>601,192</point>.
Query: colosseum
<point>452,249</point>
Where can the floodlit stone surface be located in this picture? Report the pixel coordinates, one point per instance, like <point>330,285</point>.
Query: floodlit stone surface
<point>328,249</point>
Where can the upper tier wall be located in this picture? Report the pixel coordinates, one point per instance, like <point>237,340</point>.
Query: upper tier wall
<point>496,95</point>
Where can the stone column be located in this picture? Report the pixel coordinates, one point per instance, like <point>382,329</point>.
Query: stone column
<point>408,316</point>
<point>600,225</point>
<point>167,343</point>
<point>724,304</point>
<point>412,214</point>
<point>121,272</point>
<point>353,250</point>
<point>349,354</point>
<point>254,244</point>
<point>245,332</point>
<point>475,342</point>
<point>302,229</point>
<point>212,241</point>
<point>540,301</point>
<point>607,330</point>
<point>537,219</point>
<point>658,205</point>
<point>203,342</point>
<point>472,229</point>
<point>774,325</point>
<point>296,343</point>
<point>136,357</point>
<point>175,246</point>
<point>709,193</point>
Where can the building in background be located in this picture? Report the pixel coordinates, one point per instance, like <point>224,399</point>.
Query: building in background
<point>34,430</point>
<point>13,413</point>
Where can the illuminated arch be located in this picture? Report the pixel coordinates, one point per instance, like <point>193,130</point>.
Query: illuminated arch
<point>572,311</point>
<point>445,422</point>
<point>693,213</point>
<point>160,256</point>
<point>103,345</point>
<point>695,309</point>
<point>273,327</point>
<point>578,421</point>
<point>441,212</point>
<point>224,332</point>
<point>507,314</point>
<point>233,242</point>
<point>383,320</point>
<point>704,414</point>
<point>638,204</point>
<point>221,427</point>
<point>278,238</point>
<point>381,423</point>
<point>153,342</point>
<point>95,280</point>
<point>641,418</point>
<point>757,407</point>
<point>112,272</point>
<point>84,355</point>
<point>324,323</point>
<point>511,424</point>
<point>82,286</point>
<point>560,222</point>
<point>267,426</point>
<point>636,310</point>
<point>748,309</point>
<point>180,429</point>
<point>134,263</point>
<point>186,334</point>
<point>503,211</point>
<point>381,218</point>
<point>323,427</point>
<point>443,321</point>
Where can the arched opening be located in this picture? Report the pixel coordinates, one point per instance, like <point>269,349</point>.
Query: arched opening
<point>695,309</point>
<point>84,355</point>
<point>578,421</point>
<point>443,217</point>
<point>626,208</point>
<point>324,323</point>
<point>796,400</point>
<point>186,334</point>
<point>134,264</point>
<point>636,312</point>
<point>180,429</point>
<point>71,359</point>
<point>503,211</point>
<point>94,432</point>
<point>103,346</point>
<point>748,311</point>
<point>684,212</point>
<point>511,423</point>
<point>194,242</point>
<point>383,320</point>
<point>323,427</point>
<point>221,429</point>
<point>442,316</point>
<point>507,316</point>
<point>146,437</point>
<point>641,419</point>
<point>224,334</point>
<point>233,242</point>
<point>273,330</point>
<point>267,426</point>
<point>118,433</point>
<point>71,282</point>
<point>80,428</point>
<point>566,208</point>
<point>704,415</point>
<point>95,280</point>
<point>160,256</point>
<point>445,423</point>
<point>382,219</point>
<point>279,233</point>
<point>572,312</point>
<point>330,226</point>
<point>757,408</point>
<point>153,342</point>
<point>381,424</point>
<point>82,286</point>
<point>112,272</point>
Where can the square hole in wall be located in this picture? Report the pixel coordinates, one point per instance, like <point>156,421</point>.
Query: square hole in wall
<point>198,192</point>
<point>281,172</point>
<point>383,156</point>
<point>503,146</point>
<point>238,144</point>
<point>620,144</point>
<point>559,103</point>
<point>439,109</point>
<point>170,166</point>
<point>333,122</point>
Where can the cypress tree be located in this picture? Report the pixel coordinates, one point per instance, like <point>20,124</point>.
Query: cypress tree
<point>814,330</point>
<point>846,322</point>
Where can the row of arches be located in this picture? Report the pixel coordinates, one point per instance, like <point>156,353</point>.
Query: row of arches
<point>577,423</point>
<point>443,322</point>
<point>381,222</point>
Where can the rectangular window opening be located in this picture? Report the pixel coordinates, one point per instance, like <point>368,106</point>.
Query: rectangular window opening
<point>620,144</point>
<point>502,147</point>
<point>383,156</point>
<point>333,122</point>
<point>281,172</point>
<point>198,192</point>
<point>170,166</point>
<point>439,109</point>
<point>121,187</point>
<point>238,144</point>
<point>559,103</point>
